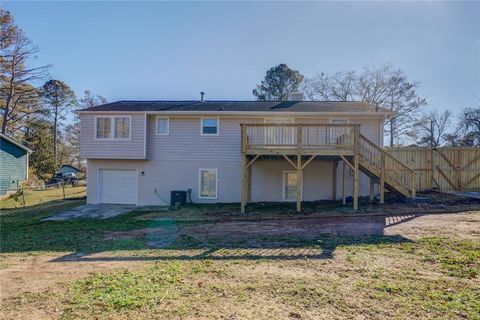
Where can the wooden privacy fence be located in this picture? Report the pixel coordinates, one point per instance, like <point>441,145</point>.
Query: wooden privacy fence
<point>445,169</point>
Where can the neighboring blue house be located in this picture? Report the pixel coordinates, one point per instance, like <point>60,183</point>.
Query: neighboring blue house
<point>13,164</point>
<point>66,168</point>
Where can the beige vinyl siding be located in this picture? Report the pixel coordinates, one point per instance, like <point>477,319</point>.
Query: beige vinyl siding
<point>172,162</point>
<point>165,176</point>
<point>317,181</point>
<point>185,141</point>
<point>134,148</point>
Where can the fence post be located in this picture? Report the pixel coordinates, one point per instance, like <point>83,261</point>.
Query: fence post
<point>63,188</point>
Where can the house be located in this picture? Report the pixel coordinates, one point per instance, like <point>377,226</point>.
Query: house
<point>68,169</point>
<point>137,152</point>
<point>13,164</point>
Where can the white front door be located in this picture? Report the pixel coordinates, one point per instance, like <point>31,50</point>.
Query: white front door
<point>117,186</point>
<point>290,185</point>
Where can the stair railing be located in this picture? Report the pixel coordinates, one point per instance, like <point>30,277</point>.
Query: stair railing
<point>397,174</point>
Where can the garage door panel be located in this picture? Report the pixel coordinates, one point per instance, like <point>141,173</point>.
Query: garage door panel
<point>118,186</point>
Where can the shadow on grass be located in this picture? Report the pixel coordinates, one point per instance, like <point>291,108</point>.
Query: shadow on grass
<point>320,247</point>
<point>282,240</point>
<point>127,238</point>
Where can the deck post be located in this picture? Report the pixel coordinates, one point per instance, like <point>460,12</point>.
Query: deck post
<point>299,183</point>
<point>355,183</point>
<point>413,179</point>
<point>244,184</point>
<point>372,189</point>
<point>334,180</point>
<point>249,184</point>
<point>344,200</point>
<point>355,169</point>
<point>382,178</point>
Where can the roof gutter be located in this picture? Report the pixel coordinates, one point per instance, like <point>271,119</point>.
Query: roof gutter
<point>245,113</point>
<point>18,144</point>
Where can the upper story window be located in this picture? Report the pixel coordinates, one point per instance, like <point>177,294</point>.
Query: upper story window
<point>340,121</point>
<point>162,126</point>
<point>209,127</point>
<point>112,128</point>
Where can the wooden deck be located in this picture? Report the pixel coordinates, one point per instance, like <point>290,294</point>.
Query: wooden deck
<point>300,144</point>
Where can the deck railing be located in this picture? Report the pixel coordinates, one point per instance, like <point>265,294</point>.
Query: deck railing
<point>397,174</point>
<point>298,136</point>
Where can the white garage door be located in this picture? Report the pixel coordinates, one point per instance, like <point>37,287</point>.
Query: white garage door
<point>117,186</point>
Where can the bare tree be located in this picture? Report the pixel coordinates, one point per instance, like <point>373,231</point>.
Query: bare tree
<point>17,90</point>
<point>468,128</point>
<point>432,128</point>
<point>340,86</point>
<point>382,86</point>
<point>90,99</point>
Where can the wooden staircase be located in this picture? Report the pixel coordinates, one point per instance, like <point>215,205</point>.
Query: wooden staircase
<point>381,166</point>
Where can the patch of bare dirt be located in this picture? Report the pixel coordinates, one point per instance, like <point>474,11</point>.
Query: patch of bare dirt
<point>465,225</point>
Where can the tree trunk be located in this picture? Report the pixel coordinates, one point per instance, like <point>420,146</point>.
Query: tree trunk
<point>391,132</point>
<point>4,123</point>
<point>55,136</point>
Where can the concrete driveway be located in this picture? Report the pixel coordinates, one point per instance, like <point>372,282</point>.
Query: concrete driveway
<point>93,211</point>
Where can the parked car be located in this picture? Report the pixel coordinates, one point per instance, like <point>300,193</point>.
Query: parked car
<point>68,178</point>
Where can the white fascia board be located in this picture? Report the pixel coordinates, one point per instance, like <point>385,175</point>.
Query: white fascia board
<point>242,113</point>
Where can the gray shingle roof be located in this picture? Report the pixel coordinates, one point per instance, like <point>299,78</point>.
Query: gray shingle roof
<point>247,106</point>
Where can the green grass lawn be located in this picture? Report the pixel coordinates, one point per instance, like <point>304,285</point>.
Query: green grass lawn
<point>377,276</point>
<point>33,197</point>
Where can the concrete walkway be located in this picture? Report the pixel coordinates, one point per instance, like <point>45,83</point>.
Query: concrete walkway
<point>93,211</point>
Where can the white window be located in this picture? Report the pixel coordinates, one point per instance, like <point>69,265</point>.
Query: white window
<point>112,128</point>
<point>209,127</point>
<point>339,121</point>
<point>122,128</point>
<point>290,185</point>
<point>163,126</point>
<point>208,183</point>
<point>104,128</point>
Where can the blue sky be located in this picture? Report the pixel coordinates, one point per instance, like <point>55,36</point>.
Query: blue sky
<point>162,50</point>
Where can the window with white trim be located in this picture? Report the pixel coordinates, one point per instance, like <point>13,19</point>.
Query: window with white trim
<point>209,126</point>
<point>340,121</point>
<point>208,183</point>
<point>104,128</point>
<point>162,126</point>
<point>112,128</point>
<point>290,185</point>
<point>122,128</point>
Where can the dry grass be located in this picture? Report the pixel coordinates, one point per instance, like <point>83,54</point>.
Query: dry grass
<point>33,197</point>
<point>422,267</point>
